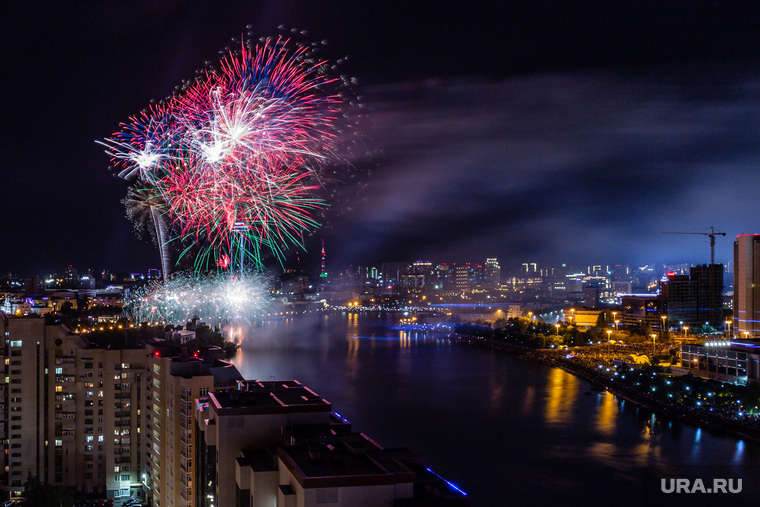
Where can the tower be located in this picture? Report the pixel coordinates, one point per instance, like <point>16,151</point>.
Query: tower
<point>747,285</point>
<point>323,272</point>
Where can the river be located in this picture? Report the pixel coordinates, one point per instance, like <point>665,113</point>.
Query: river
<point>505,430</point>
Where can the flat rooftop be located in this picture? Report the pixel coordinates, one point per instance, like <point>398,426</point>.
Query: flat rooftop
<point>749,346</point>
<point>259,460</point>
<point>346,462</point>
<point>260,397</point>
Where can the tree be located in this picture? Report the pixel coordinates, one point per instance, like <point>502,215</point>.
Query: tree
<point>42,494</point>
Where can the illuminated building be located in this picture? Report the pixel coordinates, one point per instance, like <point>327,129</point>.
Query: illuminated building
<point>72,414</point>
<point>735,361</point>
<point>641,310</point>
<point>249,417</point>
<point>747,285</point>
<point>492,272</point>
<point>393,272</point>
<point>463,276</point>
<point>277,443</point>
<point>695,299</point>
<point>173,382</point>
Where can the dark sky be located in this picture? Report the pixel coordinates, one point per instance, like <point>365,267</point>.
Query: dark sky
<point>536,131</point>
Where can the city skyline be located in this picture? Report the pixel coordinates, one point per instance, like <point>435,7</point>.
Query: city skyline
<point>525,133</point>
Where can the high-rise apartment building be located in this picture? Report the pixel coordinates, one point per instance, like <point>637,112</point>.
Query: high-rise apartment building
<point>747,285</point>
<point>72,413</point>
<point>23,424</point>
<point>174,381</point>
<point>270,444</point>
<point>93,394</point>
<point>249,417</point>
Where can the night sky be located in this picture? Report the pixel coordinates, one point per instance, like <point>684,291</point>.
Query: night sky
<point>544,132</point>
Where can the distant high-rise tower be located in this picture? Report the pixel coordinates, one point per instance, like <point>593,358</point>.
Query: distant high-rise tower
<point>747,285</point>
<point>323,272</point>
<point>493,271</point>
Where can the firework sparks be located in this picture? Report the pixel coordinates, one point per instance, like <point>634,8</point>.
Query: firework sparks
<point>216,299</point>
<point>237,155</point>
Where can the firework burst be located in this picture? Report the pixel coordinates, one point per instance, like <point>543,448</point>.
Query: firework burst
<point>238,155</point>
<point>216,299</point>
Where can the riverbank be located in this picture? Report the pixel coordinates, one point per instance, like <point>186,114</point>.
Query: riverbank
<point>603,377</point>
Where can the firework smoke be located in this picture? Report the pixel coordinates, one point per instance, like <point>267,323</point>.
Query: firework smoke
<point>215,299</point>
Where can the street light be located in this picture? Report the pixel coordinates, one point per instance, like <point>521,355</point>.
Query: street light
<point>728,326</point>
<point>663,328</point>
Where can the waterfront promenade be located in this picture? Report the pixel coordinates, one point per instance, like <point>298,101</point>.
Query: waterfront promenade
<point>707,403</point>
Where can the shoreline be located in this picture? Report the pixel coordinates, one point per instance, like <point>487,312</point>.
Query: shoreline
<point>701,419</point>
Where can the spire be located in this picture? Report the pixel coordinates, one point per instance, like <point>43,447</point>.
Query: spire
<point>323,273</point>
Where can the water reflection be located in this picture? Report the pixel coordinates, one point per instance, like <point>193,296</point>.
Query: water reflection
<point>561,393</point>
<point>527,403</point>
<point>739,453</point>
<point>508,431</point>
<point>606,414</point>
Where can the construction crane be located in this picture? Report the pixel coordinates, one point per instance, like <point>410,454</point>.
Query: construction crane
<point>712,235</point>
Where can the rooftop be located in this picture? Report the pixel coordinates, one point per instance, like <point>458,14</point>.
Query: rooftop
<point>346,462</point>
<point>259,460</point>
<point>259,397</point>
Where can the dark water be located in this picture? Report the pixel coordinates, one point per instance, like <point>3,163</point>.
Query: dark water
<point>505,430</point>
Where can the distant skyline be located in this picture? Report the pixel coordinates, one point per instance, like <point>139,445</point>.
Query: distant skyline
<point>549,132</point>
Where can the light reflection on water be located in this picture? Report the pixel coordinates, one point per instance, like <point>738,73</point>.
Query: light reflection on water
<point>507,431</point>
